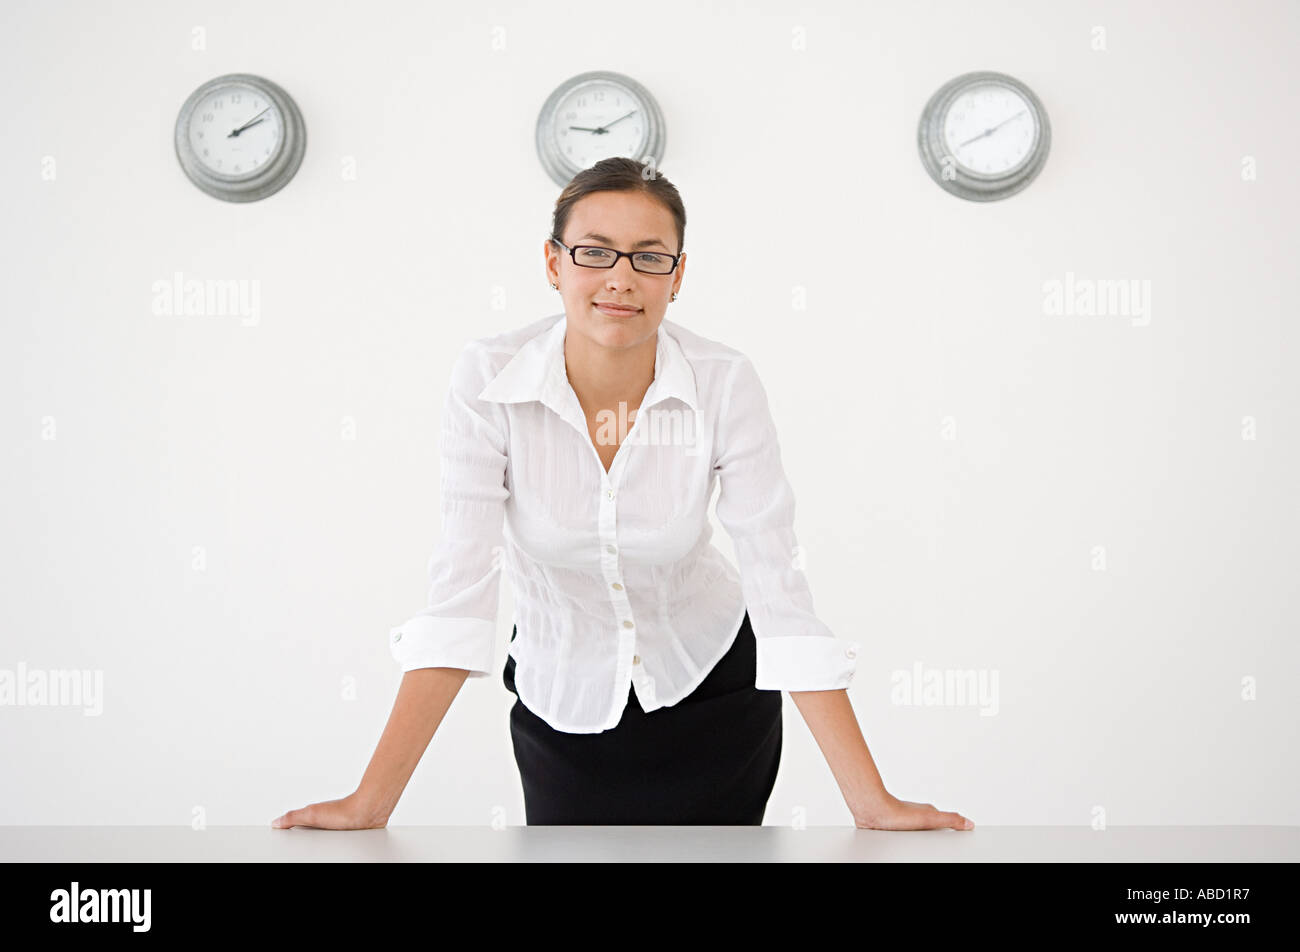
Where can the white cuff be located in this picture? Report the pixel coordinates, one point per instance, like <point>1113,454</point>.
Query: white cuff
<point>805,663</point>
<point>426,641</point>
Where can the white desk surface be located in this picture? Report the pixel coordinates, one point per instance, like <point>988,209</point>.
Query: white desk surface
<point>823,844</point>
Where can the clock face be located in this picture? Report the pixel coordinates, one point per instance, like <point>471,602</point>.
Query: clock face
<point>234,130</point>
<point>598,120</point>
<point>990,129</point>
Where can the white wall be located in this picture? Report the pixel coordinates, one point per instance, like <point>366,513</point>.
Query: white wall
<point>225,689</point>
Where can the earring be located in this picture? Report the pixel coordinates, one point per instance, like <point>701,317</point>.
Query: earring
<point>674,297</point>
<point>554,285</point>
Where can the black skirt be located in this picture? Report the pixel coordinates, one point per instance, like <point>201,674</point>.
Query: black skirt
<point>711,758</point>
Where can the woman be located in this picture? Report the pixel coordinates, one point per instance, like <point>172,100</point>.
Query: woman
<point>645,691</point>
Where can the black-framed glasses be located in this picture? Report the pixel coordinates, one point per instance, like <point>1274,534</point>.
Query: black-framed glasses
<point>594,256</point>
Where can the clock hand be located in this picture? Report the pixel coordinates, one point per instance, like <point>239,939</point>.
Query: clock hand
<point>619,119</point>
<point>249,126</point>
<point>993,129</point>
<point>248,123</point>
<point>603,130</point>
<point>605,127</point>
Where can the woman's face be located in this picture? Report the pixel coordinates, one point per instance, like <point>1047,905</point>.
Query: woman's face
<point>624,221</point>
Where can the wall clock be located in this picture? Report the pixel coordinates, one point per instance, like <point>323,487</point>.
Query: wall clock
<point>593,116</point>
<point>984,136</point>
<point>240,137</point>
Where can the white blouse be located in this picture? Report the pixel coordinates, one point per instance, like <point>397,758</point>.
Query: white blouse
<point>615,580</point>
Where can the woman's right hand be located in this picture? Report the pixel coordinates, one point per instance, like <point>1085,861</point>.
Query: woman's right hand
<point>348,813</point>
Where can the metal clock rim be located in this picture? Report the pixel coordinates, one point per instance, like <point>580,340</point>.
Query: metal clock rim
<point>969,184</point>
<point>258,183</point>
<point>560,169</point>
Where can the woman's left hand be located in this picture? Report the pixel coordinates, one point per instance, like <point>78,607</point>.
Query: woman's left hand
<point>891,813</point>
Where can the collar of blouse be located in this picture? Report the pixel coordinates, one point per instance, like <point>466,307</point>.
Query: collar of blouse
<point>536,372</point>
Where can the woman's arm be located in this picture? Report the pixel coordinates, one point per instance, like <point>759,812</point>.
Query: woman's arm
<point>830,717</point>
<point>422,701</point>
<point>453,637</point>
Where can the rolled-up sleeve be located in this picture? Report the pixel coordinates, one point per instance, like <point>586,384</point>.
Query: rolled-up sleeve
<point>457,628</point>
<point>795,650</point>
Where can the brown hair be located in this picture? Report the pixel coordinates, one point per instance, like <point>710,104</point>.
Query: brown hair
<point>620,174</point>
